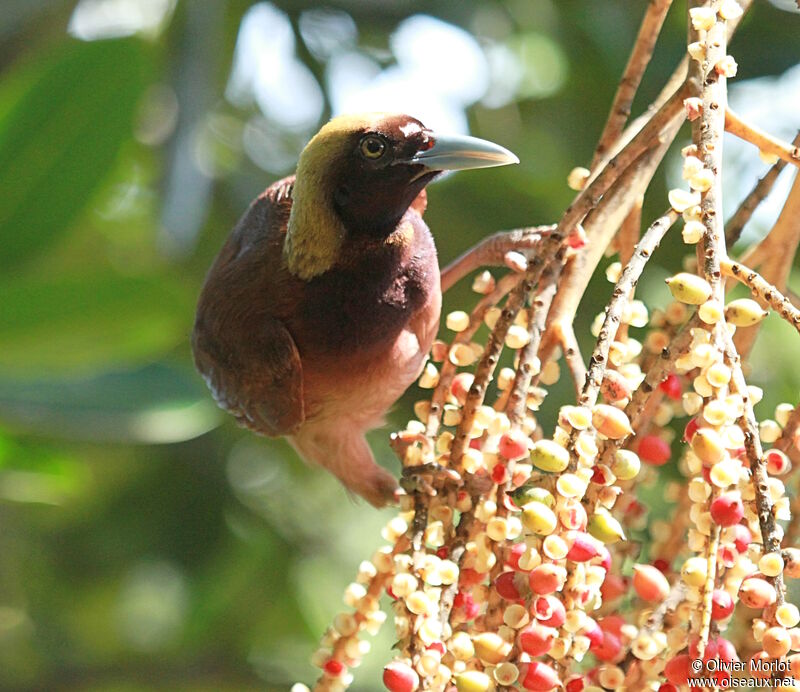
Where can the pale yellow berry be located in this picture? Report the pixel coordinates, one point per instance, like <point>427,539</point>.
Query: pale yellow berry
<point>452,415</point>
<point>726,67</point>
<point>539,518</point>
<point>517,336</point>
<point>755,394</point>
<point>693,232</point>
<point>744,312</point>
<point>724,473</point>
<point>420,603</point>
<point>555,547</point>
<point>473,681</point>
<point>611,421</point>
<point>457,321</point>
<point>483,283</point>
<point>460,645</point>
<point>577,178</point>
<point>570,485</point>
<point>782,413</point>
<point>787,615</point>
<point>614,271</point>
<point>702,180</point>
<point>550,373</point>
<point>718,375</point>
<point>490,647</point>
<point>769,431</point>
<point>462,355</point>
<point>430,377</point>
<point>694,571</point>
<point>730,9</point>
<point>703,18</point>
<point>691,402</point>
<point>491,316</point>
<point>626,464</point>
<point>697,50</point>
<point>711,311</point>
<point>505,378</point>
<point>689,288</point>
<point>771,564</point>
<point>579,417</point>
<point>506,674</point>
<point>547,455</point>
<point>702,386</point>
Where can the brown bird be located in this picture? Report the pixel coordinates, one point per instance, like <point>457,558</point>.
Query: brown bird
<point>320,309</point>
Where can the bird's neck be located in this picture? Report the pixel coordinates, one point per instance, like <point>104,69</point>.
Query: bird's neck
<point>315,234</point>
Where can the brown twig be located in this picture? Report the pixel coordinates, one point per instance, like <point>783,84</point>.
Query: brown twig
<point>632,76</point>
<point>619,299</point>
<point>491,251</point>
<point>763,290</point>
<point>737,222</point>
<point>763,140</point>
<point>518,396</point>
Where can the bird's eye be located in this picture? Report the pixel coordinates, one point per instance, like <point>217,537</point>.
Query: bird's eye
<point>372,147</point>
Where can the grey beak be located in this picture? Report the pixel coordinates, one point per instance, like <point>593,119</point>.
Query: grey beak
<point>459,152</point>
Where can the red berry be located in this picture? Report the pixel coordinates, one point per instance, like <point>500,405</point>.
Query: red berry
<point>777,462</point>
<point>613,586</point>
<point>333,667</point>
<point>399,677</point>
<point>460,386</point>
<point>442,552</point>
<point>671,387</point>
<point>661,564</point>
<point>726,651</point>
<point>691,429</point>
<point>742,538</point>
<point>727,509</point>
<point>610,649</point>
<point>650,583</point>
<point>505,586</point>
<point>546,578</point>
<point>575,684</point>
<point>591,630</point>
<point>513,445</point>
<point>654,450</point>
<point>540,677</point>
<point>721,604</point>
<point>667,687</point>
<point>584,547</point>
<point>536,639</point>
<point>499,474</point>
<point>549,611</point>
<point>678,669</point>
<point>517,550</point>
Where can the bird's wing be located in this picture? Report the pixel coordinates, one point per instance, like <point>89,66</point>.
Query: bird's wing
<point>262,384</point>
<point>241,346</point>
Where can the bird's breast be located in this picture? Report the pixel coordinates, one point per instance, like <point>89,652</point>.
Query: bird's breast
<point>363,306</point>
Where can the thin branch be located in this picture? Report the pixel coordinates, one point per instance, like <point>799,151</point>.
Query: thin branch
<point>572,355</point>
<point>763,290</point>
<point>632,76</point>
<point>763,140</point>
<point>737,222</point>
<point>619,299</point>
<point>491,251</point>
<point>518,396</point>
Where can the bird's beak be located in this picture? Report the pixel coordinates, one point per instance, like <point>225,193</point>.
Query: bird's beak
<point>459,152</point>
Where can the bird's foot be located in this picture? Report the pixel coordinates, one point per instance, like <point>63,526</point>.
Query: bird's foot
<point>429,478</point>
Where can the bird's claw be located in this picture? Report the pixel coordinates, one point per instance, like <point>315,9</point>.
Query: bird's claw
<point>429,476</point>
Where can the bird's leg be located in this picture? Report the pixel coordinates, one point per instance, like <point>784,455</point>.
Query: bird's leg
<point>496,251</point>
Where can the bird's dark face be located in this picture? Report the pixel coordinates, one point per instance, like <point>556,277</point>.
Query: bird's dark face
<point>379,174</point>
<point>359,174</point>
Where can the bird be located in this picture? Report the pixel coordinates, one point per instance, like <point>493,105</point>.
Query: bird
<point>321,307</point>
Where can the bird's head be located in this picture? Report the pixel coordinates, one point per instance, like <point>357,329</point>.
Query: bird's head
<point>359,174</point>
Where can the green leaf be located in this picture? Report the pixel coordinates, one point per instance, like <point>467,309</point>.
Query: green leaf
<point>151,405</point>
<point>89,321</point>
<point>61,138</point>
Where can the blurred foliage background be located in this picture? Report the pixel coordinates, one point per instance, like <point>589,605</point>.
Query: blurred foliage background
<point>146,543</point>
